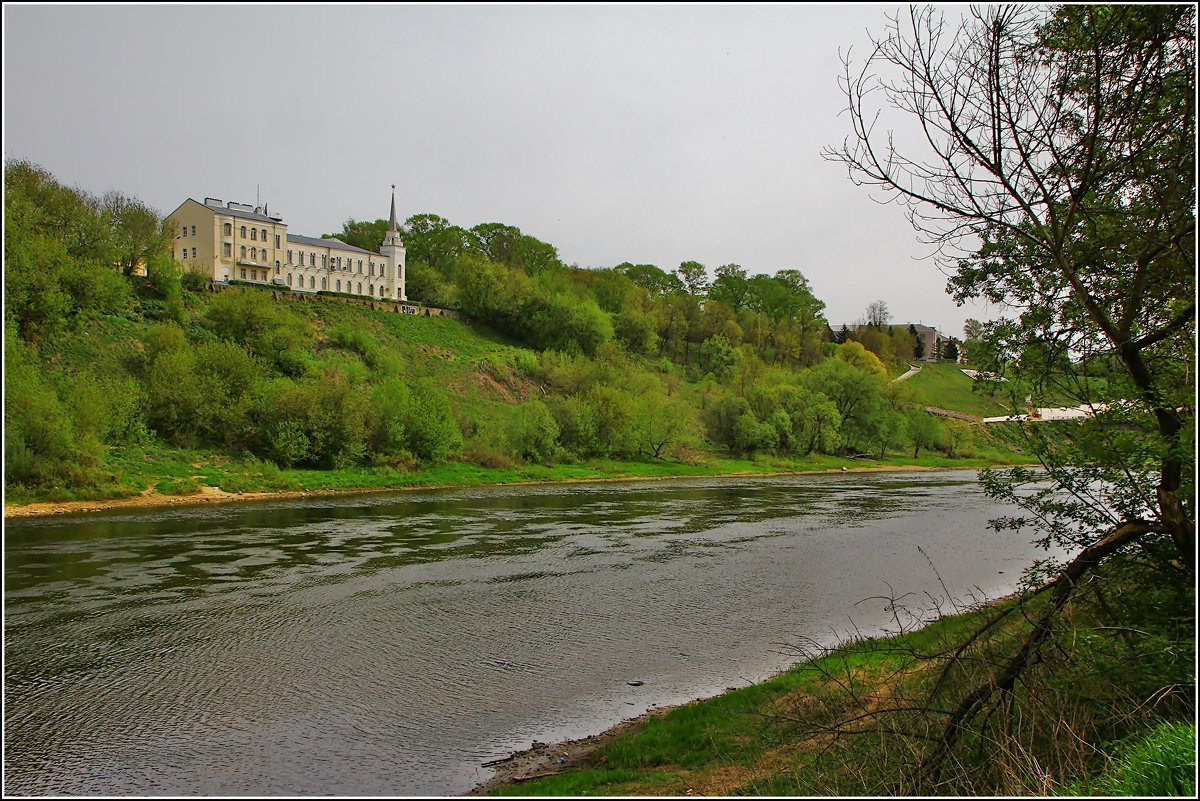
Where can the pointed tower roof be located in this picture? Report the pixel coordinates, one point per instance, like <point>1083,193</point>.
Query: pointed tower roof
<point>392,222</point>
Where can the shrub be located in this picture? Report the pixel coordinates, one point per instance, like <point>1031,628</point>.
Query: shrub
<point>535,436</point>
<point>357,340</point>
<point>41,445</point>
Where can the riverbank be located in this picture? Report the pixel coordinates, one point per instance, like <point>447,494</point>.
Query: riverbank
<point>742,741</point>
<point>541,760</point>
<point>151,499</point>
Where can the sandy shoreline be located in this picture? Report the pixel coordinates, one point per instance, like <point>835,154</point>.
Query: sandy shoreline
<point>208,495</point>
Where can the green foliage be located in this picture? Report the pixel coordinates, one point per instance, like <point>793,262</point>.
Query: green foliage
<point>126,362</point>
<point>412,420</point>
<point>42,448</point>
<point>536,434</point>
<point>636,330</point>
<point>361,234</point>
<point>924,431</point>
<point>856,354</point>
<point>426,285</point>
<point>195,394</point>
<point>269,331</point>
<point>318,420</point>
<point>358,340</point>
<point>1160,763</point>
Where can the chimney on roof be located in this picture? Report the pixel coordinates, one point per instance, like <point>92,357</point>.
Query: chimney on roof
<point>212,201</point>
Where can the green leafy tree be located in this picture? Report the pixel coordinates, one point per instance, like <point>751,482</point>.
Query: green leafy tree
<point>636,330</point>
<point>137,230</point>
<point>918,351</point>
<point>731,286</point>
<point>433,240</point>
<point>535,437</point>
<point>1059,182</point>
<point>923,431</point>
<point>651,278</point>
<point>362,234</point>
<point>694,277</point>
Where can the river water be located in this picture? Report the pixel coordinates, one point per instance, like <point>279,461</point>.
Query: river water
<point>389,644</point>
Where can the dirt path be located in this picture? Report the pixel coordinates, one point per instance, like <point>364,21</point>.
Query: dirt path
<point>149,500</point>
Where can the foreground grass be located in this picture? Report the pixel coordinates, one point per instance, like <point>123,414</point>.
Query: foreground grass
<point>1161,763</point>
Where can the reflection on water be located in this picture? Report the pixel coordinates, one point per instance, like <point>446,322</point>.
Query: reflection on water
<point>390,644</point>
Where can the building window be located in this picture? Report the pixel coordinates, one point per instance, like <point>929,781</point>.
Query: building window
<point>277,266</point>
<point>289,279</point>
<point>228,250</point>
<point>360,287</point>
<point>312,282</point>
<point>371,289</point>
<point>253,275</point>
<point>264,234</point>
<point>254,234</point>
<point>323,284</point>
<point>243,272</point>
<point>324,260</point>
<point>276,240</point>
<point>289,257</point>
<point>184,253</point>
<point>360,266</point>
<point>228,229</point>
<point>193,230</point>
<point>243,253</point>
<point>193,253</point>
<point>243,232</point>
<point>253,254</point>
<point>381,291</point>
<point>184,231</point>
<point>339,285</point>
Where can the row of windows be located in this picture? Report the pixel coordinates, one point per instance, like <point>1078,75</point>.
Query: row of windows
<point>338,262</point>
<point>254,233</point>
<point>266,273</point>
<point>185,253</point>
<point>312,284</point>
<point>242,252</point>
<point>184,229</point>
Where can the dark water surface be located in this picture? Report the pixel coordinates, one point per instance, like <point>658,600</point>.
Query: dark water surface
<point>390,644</point>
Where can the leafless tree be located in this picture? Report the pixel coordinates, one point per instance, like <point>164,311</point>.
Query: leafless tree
<point>1049,157</point>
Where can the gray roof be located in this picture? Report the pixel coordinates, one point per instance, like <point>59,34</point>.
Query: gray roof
<point>336,244</point>
<point>245,215</point>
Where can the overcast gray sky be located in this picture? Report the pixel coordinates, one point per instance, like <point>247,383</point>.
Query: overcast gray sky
<point>649,134</point>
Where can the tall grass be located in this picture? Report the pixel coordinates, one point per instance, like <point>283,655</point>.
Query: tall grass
<point>1160,763</point>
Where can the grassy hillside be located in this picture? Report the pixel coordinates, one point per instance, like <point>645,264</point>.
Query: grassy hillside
<point>946,386</point>
<point>126,373</point>
<point>488,380</point>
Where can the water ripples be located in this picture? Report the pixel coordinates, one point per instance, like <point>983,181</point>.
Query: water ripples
<point>388,644</point>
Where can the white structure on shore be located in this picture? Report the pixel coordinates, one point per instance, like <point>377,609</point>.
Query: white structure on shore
<point>240,242</point>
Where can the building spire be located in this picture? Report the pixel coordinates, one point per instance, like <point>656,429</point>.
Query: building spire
<point>392,223</point>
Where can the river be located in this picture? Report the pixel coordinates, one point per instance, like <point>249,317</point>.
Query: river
<point>389,644</point>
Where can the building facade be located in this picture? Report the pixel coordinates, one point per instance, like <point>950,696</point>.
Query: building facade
<point>239,242</point>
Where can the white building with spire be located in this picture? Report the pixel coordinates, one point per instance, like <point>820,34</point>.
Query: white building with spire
<point>233,242</point>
